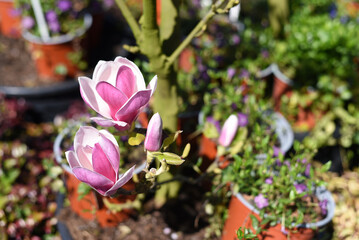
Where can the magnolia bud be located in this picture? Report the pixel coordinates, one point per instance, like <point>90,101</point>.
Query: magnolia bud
<point>153,139</point>
<point>229,130</point>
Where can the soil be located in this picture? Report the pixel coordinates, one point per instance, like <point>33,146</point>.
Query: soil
<point>182,219</point>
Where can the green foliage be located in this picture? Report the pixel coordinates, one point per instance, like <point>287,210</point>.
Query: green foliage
<point>279,180</point>
<point>68,21</point>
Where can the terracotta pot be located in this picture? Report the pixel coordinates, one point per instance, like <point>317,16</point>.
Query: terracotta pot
<point>280,88</point>
<point>239,216</point>
<point>9,20</point>
<point>54,53</point>
<point>91,206</point>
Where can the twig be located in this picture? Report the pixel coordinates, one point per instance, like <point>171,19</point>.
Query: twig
<point>130,19</point>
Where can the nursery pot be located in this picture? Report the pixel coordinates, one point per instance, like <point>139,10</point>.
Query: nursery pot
<point>92,206</point>
<point>239,216</point>
<point>9,19</point>
<point>52,57</point>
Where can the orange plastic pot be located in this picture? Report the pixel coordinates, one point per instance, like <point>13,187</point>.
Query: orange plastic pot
<point>239,216</point>
<point>280,88</point>
<point>50,57</point>
<point>9,21</point>
<point>91,206</point>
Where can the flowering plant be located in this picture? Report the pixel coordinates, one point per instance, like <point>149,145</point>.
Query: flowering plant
<point>118,94</point>
<point>237,114</point>
<point>61,16</point>
<point>281,189</point>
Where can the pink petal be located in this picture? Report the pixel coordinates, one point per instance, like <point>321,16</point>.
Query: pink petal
<point>153,139</point>
<point>112,152</point>
<point>72,159</point>
<point>101,163</point>
<point>103,71</point>
<point>111,123</point>
<point>140,82</point>
<point>114,97</point>
<point>92,98</point>
<point>228,131</point>
<point>152,85</point>
<point>126,81</point>
<point>121,181</point>
<point>132,107</point>
<point>95,180</point>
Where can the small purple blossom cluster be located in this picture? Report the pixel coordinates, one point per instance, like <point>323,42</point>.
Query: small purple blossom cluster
<point>62,11</point>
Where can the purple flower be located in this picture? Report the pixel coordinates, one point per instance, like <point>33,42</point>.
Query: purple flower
<point>300,188</point>
<point>333,11</point>
<point>307,170</point>
<point>265,54</point>
<point>231,72</point>
<point>64,5</point>
<point>214,122</point>
<point>261,201</point>
<point>276,151</point>
<point>323,206</point>
<point>15,12</point>
<point>344,19</point>
<point>236,39</point>
<point>108,3</point>
<point>51,16</point>
<point>54,26</point>
<point>278,162</point>
<point>244,73</point>
<point>27,22</point>
<point>269,180</point>
<point>242,119</point>
<point>287,163</point>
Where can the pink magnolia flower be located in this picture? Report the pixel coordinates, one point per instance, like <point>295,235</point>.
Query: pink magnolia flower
<point>153,139</point>
<point>117,92</point>
<point>96,159</point>
<point>229,130</point>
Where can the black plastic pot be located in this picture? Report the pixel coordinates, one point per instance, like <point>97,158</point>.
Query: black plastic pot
<point>44,103</point>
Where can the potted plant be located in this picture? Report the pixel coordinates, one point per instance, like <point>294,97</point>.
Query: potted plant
<point>97,157</point>
<point>279,198</point>
<point>10,21</point>
<point>53,30</point>
<point>253,114</point>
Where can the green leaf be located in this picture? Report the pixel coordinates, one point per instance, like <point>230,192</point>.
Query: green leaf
<point>325,167</point>
<point>292,195</point>
<point>83,189</point>
<point>171,158</point>
<point>255,223</point>
<point>136,139</point>
<point>186,150</point>
<point>170,139</point>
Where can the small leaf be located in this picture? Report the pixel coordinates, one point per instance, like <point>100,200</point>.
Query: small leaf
<point>186,150</point>
<point>292,194</point>
<point>136,139</point>
<point>171,158</point>
<point>255,223</point>
<point>170,139</point>
<point>326,167</point>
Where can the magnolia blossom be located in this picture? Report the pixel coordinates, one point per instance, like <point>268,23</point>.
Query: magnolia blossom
<point>229,130</point>
<point>153,139</point>
<point>261,201</point>
<point>96,159</point>
<point>117,92</point>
